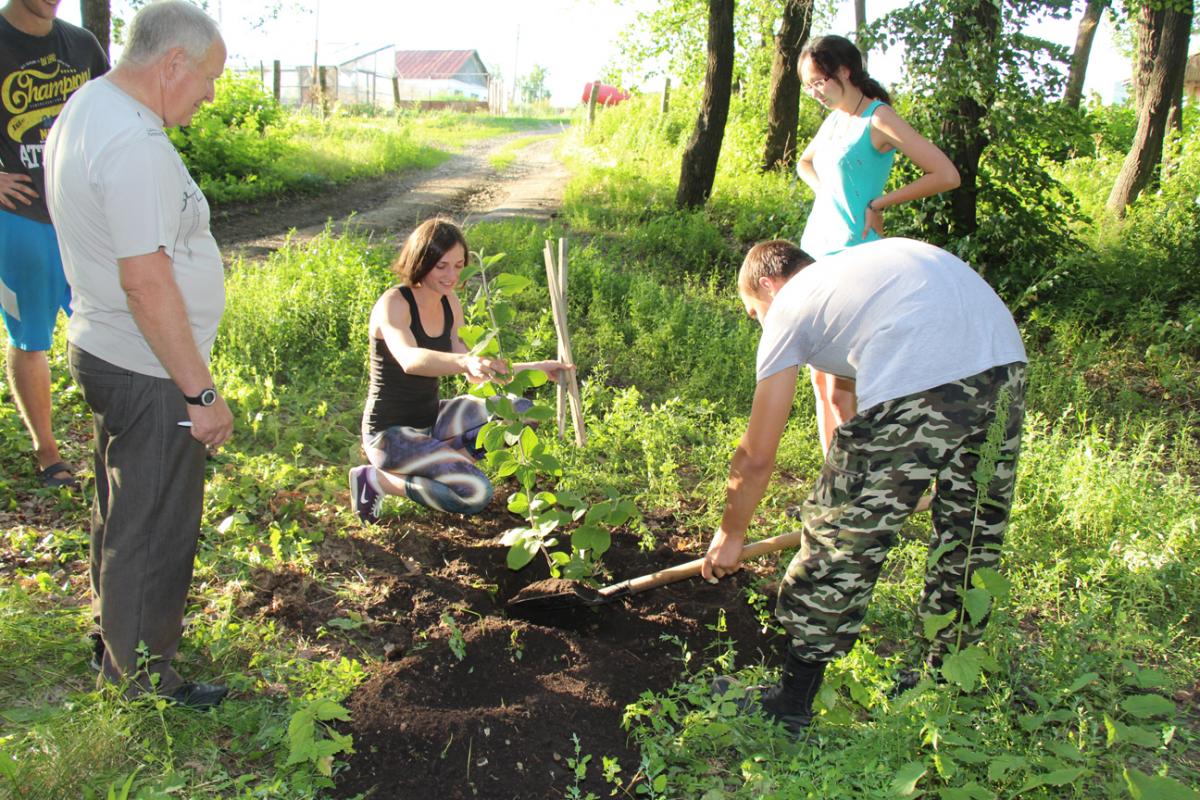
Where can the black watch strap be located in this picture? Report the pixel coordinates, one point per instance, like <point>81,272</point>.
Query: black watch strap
<point>206,398</point>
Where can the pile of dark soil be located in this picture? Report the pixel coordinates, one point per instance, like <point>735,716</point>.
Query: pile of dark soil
<point>495,719</point>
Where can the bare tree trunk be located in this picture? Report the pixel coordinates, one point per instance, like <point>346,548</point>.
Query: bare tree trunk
<point>1083,51</point>
<point>783,112</point>
<point>1164,32</point>
<point>860,23</point>
<point>699,167</point>
<point>972,51</point>
<point>97,18</point>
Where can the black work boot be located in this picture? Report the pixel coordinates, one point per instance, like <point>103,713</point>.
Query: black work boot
<point>911,678</point>
<point>790,702</point>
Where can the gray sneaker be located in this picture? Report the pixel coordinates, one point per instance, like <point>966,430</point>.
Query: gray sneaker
<point>365,499</point>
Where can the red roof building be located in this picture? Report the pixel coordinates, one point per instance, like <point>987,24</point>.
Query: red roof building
<point>424,74</point>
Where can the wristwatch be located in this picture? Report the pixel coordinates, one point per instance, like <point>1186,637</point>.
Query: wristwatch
<point>206,398</point>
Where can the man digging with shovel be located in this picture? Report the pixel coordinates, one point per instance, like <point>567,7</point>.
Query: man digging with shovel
<point>940,371</point>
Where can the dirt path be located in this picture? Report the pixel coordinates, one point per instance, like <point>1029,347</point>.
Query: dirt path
<point>466,187</point>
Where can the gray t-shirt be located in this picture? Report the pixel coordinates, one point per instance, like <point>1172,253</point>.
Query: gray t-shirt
<point>897,315</point>
<point>117,188</point>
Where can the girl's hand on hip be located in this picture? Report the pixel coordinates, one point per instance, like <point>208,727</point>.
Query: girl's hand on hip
<point>874,223</point>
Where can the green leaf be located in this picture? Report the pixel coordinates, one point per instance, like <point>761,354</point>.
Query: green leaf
<point>517,384</point>
<point>1119,732</point>
<point>487,261</point>
<point>485,390</point>
<point>993,581</point>
<point>503,313</point>
<point>964,667</point>
<point>936,623</point>
<point>1058,777</point>
<point>326,709</point>
<point>1156,787</point>
<point>1147,706</point>
<point>570,499</point>
<point>539,413</point>
<point>510,283</point>
<point>522,552</point>
<point>491,436</point>
<point>1083,680</point>
<point>1145,678</point>
<point>518,503</point>
<point>977,603</point>
<point>547,463</point>
<point>536,377</point>
<point>526,476</point>
<point>501,405</point>
<point>528,440</point>
<point>1002,765</point>
<point>471,334</point>
<point>513,535</point>
<point>508,467</point>
<point>591,537</point>
<point>904,784</point>
<point>972,756</point>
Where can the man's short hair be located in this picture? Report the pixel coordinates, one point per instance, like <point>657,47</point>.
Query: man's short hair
<point>777,258</point>
<point>164,25</point>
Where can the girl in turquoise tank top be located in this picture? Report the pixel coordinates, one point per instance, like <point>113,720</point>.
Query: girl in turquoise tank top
<point>847,165</point>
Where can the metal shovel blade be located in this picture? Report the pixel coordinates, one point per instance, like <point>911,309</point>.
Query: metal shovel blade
<point>558,595</point>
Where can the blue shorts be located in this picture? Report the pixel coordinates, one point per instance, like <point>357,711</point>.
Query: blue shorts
<point>32,285</point>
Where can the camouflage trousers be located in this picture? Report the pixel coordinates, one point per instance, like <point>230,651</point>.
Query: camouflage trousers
<point>879,465</point>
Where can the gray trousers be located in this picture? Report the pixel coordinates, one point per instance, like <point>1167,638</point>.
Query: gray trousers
<point>145,519</point>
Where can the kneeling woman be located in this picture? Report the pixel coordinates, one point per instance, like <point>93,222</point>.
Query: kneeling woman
<point>420,446</point>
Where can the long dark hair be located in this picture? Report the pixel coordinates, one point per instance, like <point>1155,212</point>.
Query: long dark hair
<point>830,53</point>
<point>424,247</point>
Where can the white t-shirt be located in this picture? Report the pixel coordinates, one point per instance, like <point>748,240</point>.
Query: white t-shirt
<point>898,316</point>
<point>117,188</point>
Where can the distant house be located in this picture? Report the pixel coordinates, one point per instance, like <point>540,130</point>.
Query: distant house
<point>1191,77</point>
<point>441,75</point>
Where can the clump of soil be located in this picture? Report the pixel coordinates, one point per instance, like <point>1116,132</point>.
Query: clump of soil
<point>498,722</point>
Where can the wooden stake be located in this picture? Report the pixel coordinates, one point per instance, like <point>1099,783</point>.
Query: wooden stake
<point>558,308</point>
<point>562,293</point>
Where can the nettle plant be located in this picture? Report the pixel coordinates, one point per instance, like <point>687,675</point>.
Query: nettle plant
<point>515,449</point>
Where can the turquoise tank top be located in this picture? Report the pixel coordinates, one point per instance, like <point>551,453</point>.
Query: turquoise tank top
<point>852,173</point>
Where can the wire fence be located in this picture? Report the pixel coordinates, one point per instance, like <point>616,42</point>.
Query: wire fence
<point>364,82</point>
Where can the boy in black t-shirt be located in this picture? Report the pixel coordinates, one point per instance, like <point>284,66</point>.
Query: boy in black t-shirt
<point>43,60</point>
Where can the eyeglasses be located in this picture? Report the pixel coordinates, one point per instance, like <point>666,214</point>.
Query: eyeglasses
<point>816,86</point>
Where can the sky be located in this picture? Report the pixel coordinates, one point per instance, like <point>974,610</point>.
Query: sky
<point>572,39</point>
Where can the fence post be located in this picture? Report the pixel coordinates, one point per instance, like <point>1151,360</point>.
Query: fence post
<point>276,69</point>
<point>324,93</point>
<point>592,102</point>
<point>396,90</point>
<point>666,101</point>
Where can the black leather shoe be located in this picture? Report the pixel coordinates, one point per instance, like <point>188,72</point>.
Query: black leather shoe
<point>96,662</point>
<point>199,696</point>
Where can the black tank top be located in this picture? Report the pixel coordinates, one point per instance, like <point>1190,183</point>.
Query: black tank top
<point>395,397</point>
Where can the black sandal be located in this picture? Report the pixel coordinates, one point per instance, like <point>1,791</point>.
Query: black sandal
<point>48,478</point>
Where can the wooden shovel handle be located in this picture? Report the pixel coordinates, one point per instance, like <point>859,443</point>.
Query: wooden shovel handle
<point>692,568</point>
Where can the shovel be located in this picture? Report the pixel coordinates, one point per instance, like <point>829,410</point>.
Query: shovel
<point>562,595</point>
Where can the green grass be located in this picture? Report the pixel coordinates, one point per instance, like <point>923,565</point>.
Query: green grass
<point>1103,553</point>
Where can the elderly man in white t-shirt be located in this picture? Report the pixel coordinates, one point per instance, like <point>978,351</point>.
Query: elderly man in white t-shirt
<point>148,295</point>
<point>940,374</point>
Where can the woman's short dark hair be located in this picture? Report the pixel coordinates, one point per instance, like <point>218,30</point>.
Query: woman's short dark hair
<point>425,247</point>
<point>830,53</point>
<point>777,258</point>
